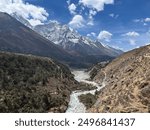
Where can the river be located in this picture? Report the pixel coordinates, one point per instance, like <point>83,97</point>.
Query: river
<point>75,106</point>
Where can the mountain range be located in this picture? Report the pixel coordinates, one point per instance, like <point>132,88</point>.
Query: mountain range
<point>54,40</point>
<point>73,42</point>
<point>39,84</point>
<point>16,37</point>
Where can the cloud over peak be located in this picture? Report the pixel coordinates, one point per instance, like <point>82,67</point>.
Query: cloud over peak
<point>35,15</point>
<point>105,36</point>
<point>77,21</point>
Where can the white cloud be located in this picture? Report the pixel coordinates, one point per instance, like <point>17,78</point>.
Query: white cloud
<point>88,35</point>
<point>142,20</point>
<point>137,20</point>
<point>96,4</point>
<point>92,34</point>
<point>35,22</point>
<point>72,8</point>
<point>114,15</point>
<point>68,2</point>
<point>145,24</point>
<point>77,21</point>
<point>132,42</point>
<point>34,14</point>
<point>147,44</point>
<point>104,36</point>
<point>90,22</point>
<point>147,19</point>
<point>131,34</point>
<point>91,19</point>
<point>92,12</point>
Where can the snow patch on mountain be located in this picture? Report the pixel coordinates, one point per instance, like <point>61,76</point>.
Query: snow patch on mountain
<point>70,39</point>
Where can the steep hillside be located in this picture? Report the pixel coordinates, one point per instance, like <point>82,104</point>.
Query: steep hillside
<point>16,37</point>
<point>93,70</point>
<point>22,20</point>
<point>127,83</point>
<point>34,84</point>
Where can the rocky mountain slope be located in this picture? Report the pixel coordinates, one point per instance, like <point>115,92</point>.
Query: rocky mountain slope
<point>70,47</point>
<point>73,42</point>
<point>127,83</point>
<point>16,37</point>
<point>34,84</point>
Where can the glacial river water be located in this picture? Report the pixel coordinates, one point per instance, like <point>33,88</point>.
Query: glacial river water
<point>75,106</point>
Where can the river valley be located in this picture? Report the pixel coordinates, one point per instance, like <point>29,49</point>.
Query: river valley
<point>75,106</point>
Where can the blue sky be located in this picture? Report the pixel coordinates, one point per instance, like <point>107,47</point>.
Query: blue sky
<point>123,24</point>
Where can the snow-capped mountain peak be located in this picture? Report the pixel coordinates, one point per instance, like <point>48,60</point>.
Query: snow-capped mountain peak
<point>69,39</point>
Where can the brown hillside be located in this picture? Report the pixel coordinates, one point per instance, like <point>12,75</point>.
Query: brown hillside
<point>127,83</point>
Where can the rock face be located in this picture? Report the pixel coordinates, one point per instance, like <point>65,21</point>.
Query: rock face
<point>127,83</point>
<point>34,84</point>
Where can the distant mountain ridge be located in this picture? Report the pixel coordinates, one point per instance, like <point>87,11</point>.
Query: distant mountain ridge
<point>70,48</point>
<point>72,41</point>
<point>16,37</point>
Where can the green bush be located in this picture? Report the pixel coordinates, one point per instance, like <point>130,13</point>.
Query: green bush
<point>25,85</point>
